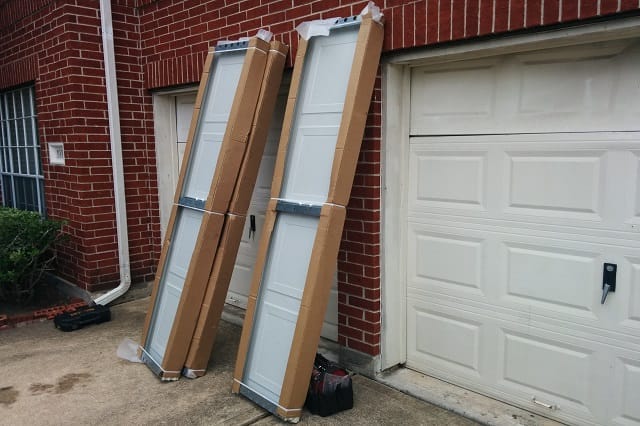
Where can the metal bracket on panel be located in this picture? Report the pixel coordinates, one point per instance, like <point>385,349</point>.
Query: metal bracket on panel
<point>155,367</point>
<point>232,45</point>
<point>349,20</point>
<point>298,208</point>
<point>191,203</point>
<point>257,398</point>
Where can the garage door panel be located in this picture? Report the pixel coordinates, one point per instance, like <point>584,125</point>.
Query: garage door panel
<point>575,363</point>
<point>444,339</point>
<point>581,85</point>
<point>561,278</point>
<point>558,277</point>
<point>586,180</point>
<point>516,359</point>
<point>556,183</point>
<point>558,91</point>
<point>465,174</point>
<point>636,186</point>
<point>439,256</point>
<point>631,315</point>
<point>627,395</point>
<point>552,279</point>
<point>476,83</point>
<point>539,366</point>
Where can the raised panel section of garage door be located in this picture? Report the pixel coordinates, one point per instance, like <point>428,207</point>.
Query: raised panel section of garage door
<point>506,238</point>
<point>576,89</point>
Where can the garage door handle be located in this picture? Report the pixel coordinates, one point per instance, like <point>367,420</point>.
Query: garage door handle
<point>605,293</point>
<point>608,280</point>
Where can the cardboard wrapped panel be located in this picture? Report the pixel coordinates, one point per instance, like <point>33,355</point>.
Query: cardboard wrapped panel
<point>236,136</point>
<point>354,116</point>
<point>285,135</point>
<point>204,80</point>
<point>256,280</point>
<point>317,285</point>
<point>218,285</point>
<point>313,307</point>
<point>186,316</point>
<point>281,389</point>
<point>178,322</point>
<point>214,297</point>
<point>262,120</point>
<point>206,69</point>
<point>156,282</point>
<point>195,117</point>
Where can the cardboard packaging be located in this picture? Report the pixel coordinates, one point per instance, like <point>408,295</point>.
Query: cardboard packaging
<point>225,257</point>
<point>248,174</point>
<point>327,240</point>
<point>214,298</point>
<point>310,316</point>
<point>214,209</point>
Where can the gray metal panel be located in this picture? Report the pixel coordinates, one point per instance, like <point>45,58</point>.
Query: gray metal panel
<point>212,123</point>
<point>185,233</point>
<point>314,132</point>
<point>305,188</point>
<point>298,208</point>
<point>216,106</point>
<point>279,302</point>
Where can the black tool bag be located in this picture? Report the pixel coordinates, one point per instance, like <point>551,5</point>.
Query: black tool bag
<point>83,316</point>
<point>330,390</point>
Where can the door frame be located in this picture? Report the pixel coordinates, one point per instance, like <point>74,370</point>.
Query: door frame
<point>396,91</point>
<point>166,156</point>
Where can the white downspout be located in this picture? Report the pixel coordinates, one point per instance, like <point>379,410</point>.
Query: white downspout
<point>116,156</point>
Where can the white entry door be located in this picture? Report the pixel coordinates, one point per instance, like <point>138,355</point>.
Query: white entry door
<point>180,111</point>
<point>522,183</point>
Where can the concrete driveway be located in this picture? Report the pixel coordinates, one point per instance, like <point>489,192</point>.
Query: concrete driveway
<point>51,377</point>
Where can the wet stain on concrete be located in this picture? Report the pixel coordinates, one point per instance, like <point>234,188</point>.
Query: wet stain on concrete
<point>38,388</point>
<point>8,395</point>
<point>63,385</point>
<point>68,381</point>
<point>18,357</point>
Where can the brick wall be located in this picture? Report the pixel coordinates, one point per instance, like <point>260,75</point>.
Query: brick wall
<point>58,46</point>
<point>175,36</point>
<point>163,43</point>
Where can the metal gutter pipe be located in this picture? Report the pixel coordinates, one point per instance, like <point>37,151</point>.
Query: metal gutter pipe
<point>116,157</point>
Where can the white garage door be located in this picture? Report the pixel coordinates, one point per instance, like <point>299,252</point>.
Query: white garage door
<point>523,181</point>
<point>247,253</point>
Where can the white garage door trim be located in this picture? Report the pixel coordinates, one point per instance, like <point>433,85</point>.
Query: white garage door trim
<point>395,145</point>
<point>166,135</point>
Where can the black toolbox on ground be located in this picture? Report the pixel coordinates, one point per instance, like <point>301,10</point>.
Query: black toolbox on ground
<point>84,315</point>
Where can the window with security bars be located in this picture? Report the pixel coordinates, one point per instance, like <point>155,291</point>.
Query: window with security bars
<point>20,164</point>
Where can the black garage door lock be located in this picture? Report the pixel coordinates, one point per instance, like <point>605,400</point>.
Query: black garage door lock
<point>608,280</point>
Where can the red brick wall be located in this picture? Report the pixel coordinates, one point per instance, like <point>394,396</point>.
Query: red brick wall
<point>163,43</point>
<point>58,46</point>
<point>175,36</point>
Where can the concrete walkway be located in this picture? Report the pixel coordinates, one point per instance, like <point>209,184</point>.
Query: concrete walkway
<point>48,377</point>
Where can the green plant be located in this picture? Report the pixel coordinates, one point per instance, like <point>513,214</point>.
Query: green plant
<point>26,252</point>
